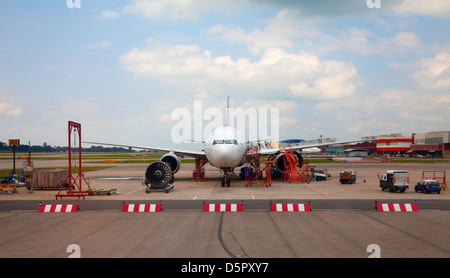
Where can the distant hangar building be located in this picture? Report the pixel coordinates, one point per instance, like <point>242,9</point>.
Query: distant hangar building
<point>435,144</point>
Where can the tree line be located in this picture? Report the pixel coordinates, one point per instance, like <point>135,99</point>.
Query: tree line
<point>44,148</point>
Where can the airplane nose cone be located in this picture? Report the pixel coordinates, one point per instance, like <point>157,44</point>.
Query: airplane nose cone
<point>224,157</point>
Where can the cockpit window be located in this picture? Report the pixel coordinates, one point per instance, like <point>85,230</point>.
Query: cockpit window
<point>233,141</point>
<point>217,142</point>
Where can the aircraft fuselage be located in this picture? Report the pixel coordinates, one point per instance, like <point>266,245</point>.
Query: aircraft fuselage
<point>225,149</point>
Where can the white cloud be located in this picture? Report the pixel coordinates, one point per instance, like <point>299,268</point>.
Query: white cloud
<point>438,8</point>
<point>283,105</point>
<point>326,8</point>
<point>330,80</point>
<point>49,67</point>
<point>80,108</point>
<point>176,9</point>
<point>9,109</point>
<point>191,9</point>
<point>290,74</point>
<point>284,29</point>
<point>365,42</point>
<point>411,107</point>
<point>444,99</point>
<point>288,121</point>
<point>100,45</point>
<point>406,40</point>
<point>434,73</point>
<point>110,14</point>
<point>278,32</point>
<point>357,40</point>
<point>180,9</point>
<point>386,110</point>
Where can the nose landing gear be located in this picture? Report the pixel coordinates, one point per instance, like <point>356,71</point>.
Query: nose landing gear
<point>226,179</point>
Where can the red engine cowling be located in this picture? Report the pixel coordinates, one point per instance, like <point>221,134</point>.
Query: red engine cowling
<point>279,161</point>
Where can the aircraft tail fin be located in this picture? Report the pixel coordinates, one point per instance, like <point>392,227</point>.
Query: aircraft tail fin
<point>268,145</point>
<point>274,145</point>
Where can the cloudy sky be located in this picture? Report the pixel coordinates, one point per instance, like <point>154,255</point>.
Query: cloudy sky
<point>120,67</point>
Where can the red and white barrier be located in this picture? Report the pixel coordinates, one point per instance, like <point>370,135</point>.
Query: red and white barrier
<point>58,208</point>
<point>397,207</point>
<point>141,208</point>
<point>222,207</point>
<point>290,207</point>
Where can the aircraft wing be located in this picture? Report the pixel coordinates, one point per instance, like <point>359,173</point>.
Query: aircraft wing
<point>269,150</point>
<point>178,152</point>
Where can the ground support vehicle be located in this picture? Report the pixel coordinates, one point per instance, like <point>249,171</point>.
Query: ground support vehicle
<point>428,186</point>
<point>320,175</point>
<point>347,176</point>
<point>395,180</point>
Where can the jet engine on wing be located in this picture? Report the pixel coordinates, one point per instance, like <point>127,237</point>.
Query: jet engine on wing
<point>279,161</point>
<point>173,160</point>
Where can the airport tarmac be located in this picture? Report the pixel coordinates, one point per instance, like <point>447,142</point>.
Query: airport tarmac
<point>342,224</point>
<point>127,180</point>
<point>316,234</point>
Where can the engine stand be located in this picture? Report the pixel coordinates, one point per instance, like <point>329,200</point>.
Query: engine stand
<point>149,188</point>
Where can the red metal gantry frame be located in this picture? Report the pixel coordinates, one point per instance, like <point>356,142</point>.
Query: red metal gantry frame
<point>74,184</point>
<point>440,179</point>
<point>292,172</point>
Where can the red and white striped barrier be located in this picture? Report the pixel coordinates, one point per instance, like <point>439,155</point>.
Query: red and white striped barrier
<point>397,207</point>
<point>290,207</point>
<point>222,207</point>
<point>58,208</point>
<point>141,208</point>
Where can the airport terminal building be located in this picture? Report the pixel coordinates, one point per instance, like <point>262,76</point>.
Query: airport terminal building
<point>431,144</point>
<point>393,145</point>
<point>435,144</point>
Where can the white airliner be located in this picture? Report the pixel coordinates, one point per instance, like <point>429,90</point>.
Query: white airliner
<point>225,149</point>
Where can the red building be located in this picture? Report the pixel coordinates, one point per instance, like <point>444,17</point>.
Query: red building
<point>393,145</point>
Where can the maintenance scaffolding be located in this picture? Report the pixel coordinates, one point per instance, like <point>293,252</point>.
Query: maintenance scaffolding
<point>256,170</point>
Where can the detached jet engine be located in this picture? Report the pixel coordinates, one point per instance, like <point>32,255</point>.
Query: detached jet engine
<point>158,177</point>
